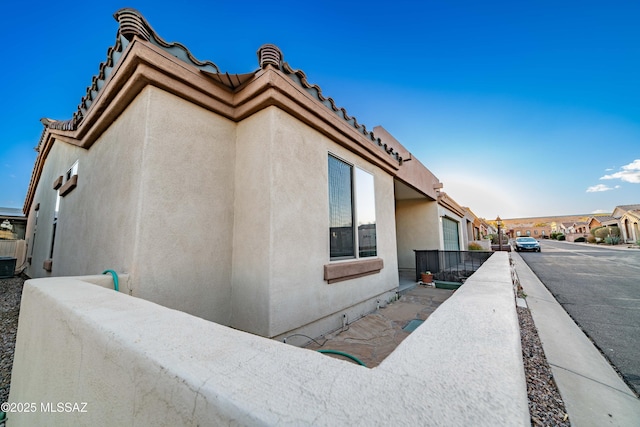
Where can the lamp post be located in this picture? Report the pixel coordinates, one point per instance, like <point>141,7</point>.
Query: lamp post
<point>499,224</point>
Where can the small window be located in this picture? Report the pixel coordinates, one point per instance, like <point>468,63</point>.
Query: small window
<point>73,170</point>
<point>70,180</point>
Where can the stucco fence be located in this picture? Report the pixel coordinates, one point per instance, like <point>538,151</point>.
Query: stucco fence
<point>112,359</point>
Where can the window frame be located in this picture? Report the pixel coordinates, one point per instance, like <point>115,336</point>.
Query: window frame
<point>356,253</point>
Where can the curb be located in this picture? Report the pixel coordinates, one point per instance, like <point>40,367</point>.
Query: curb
<point>593,393</point>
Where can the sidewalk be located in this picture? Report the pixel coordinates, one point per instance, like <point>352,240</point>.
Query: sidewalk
<point>593,393</point>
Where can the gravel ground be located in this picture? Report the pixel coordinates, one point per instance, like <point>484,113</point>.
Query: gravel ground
<point>545,404</point>
<point>11,291</point>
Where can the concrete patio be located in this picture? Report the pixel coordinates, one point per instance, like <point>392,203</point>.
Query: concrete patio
<point>373,337</point>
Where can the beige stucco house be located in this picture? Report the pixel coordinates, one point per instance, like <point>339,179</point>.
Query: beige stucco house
<point>628,217</point>
<point>250,200</point>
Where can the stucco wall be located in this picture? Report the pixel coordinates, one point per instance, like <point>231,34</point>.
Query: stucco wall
<point>136,363</point>
<point>417,227</point>
<point>224,221</point>
<point>98,219</point>
<point>154,199</point>
<point>182,256</point>
<point>100,212</point>
<point>281,240</point>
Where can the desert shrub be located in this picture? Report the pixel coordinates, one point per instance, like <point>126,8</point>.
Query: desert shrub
<point>612,240</point>
<point>580,239</point>
<point>473,246</point>
<point>604,232</point>
<point>494,239</point>
<point>593,230</point>
<point>561,237</point>
<point>591,239</point>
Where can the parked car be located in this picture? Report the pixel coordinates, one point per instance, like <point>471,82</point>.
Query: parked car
<point>527,244</point>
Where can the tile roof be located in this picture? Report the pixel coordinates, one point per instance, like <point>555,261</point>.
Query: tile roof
<point>603,218</point>
<point>133,24</point>
<point>629,207</point>
<point>11,212</point>
<point>271,55</point>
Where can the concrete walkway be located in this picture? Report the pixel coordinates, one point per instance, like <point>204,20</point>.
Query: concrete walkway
<point>593,393</point>
<point>372,338</point>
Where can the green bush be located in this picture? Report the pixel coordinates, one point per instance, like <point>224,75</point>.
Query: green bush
<point>473,246</point>
<point>494,239</point>
<point>561,237</point>
<point>604,232</point>
<point>612,240</point>
<point>580,239</point>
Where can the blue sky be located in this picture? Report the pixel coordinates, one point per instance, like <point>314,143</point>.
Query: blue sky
<point>520,108</point>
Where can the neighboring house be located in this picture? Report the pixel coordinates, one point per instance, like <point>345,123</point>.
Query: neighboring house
<point>628,217</point>
<point>12,236</point>
<point>567,228</point>
<point>249,200</point>
<point>476,229</point>
<point>581,227</point>
<point>12,224</point>
<point>528,228</point>
<point>602,221</point>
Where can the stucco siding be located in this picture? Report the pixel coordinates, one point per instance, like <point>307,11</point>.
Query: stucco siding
<point>282,227</point>
<point>96,223</point>
<point>252,216</point>
<point>98,218</point>
<point>184,245</point>
<point>417,228</point>
<point>154,199</point>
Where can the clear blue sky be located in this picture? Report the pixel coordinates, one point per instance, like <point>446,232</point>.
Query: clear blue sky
<point>520,108</point>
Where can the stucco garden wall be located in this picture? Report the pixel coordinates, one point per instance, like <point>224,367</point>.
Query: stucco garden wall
<point>137,363</point>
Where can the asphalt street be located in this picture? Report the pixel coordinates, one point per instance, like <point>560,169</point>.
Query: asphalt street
<point>599,287</point>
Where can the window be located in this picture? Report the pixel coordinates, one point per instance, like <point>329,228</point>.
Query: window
<point>70,182</point>
<point>55,223</point>
<point>352,212</point>
<point>451,234</point>
<point>35,229</point>
<point>73,170</point>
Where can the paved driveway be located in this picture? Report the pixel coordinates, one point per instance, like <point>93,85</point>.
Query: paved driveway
<point>600,289</point>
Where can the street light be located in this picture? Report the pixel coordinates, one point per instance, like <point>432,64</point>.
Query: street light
<point>499,224</point>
